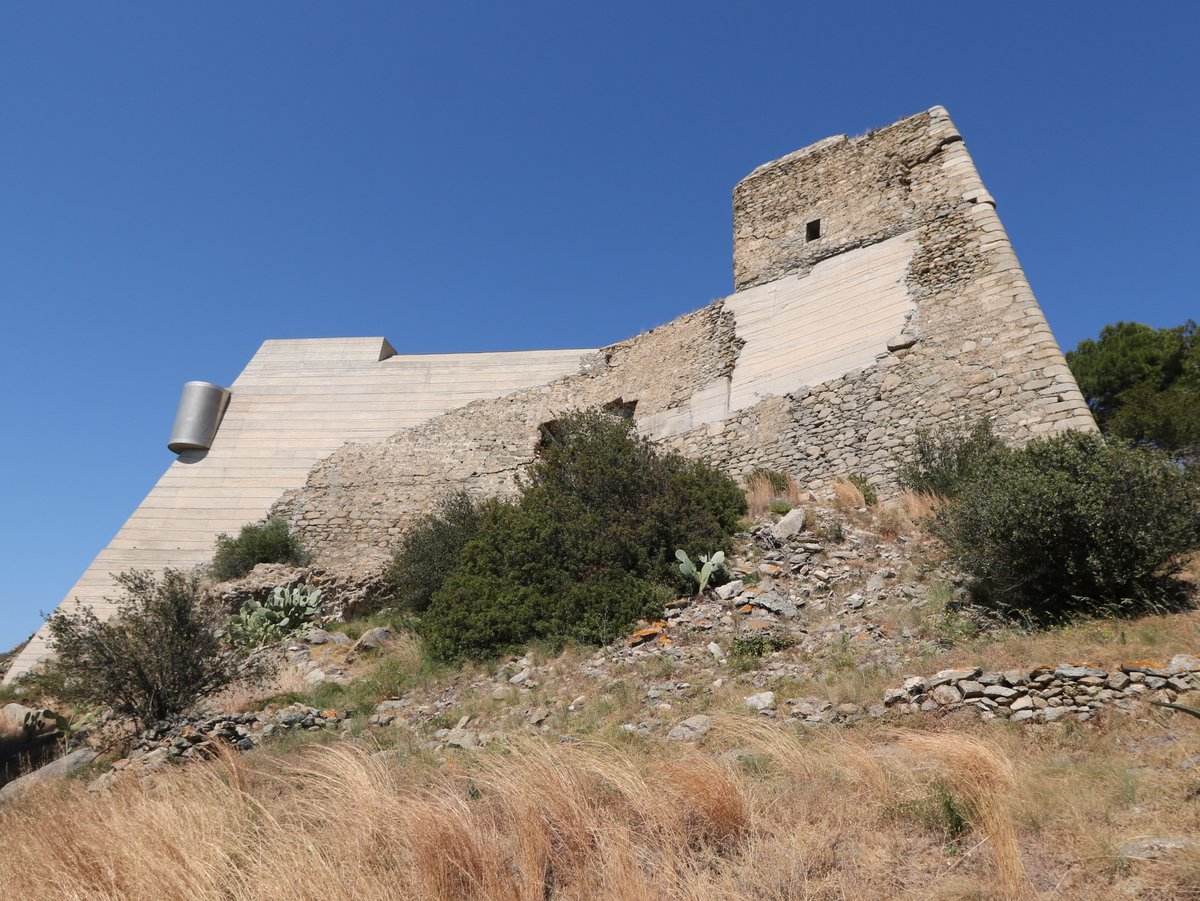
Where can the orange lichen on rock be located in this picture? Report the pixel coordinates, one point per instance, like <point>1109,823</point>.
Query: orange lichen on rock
<point>641,636</point>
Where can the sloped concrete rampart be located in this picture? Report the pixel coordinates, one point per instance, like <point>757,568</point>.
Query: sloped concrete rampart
<point>294,404</point>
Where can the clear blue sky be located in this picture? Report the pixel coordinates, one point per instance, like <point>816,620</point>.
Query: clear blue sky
<point>179,182</point>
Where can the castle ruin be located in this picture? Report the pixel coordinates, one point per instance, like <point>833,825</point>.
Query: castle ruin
<point>876,294</point>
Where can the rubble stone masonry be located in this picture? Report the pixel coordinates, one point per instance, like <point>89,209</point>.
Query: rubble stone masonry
<point>845,364</point>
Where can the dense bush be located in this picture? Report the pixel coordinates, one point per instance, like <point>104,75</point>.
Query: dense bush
<point>430,550</point>
<point>269,542</point>
<point>943,464</point>
<point>587,549</point>
<point>157,656</point>
<point>1071,525</point>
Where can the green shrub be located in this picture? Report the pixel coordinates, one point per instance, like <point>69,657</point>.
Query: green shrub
<point>859,481</point>
<point>587,549</point>
<point>779,507</point>
<point>944,463</point>
<point>156,657</point>
<point>1070,525</point>
<point>287,612</point>
<point>430,550</point>
<point>269,542</point>
<point>747,651</point>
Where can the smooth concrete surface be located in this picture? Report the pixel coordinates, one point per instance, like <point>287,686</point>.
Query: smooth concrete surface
<point>808,329</point>
<point>295,403</point>
<point>803,330</point>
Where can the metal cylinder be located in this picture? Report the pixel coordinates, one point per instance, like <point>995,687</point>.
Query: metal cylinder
<point>201,407</point>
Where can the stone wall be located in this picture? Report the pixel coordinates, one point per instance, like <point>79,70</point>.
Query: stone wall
<point>363,495</point>
<point>818,365</point>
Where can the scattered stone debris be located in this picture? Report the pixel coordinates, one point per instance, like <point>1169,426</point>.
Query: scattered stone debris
<point>1045,694</point>
<point>797,605</point>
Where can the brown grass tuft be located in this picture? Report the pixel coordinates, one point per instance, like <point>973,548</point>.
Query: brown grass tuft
<point>917,506</point>
<point>986,779</point>
<point>763,487</point>
<point>793,494</point>
<point>847,497</point>
<point>244,698</point>
<point>759,494</point>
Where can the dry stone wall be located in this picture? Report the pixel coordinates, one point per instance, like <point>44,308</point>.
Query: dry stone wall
<point>364,495</point>
<point>972,342</point>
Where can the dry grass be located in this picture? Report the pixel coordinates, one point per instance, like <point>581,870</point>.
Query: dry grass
<point>763,487</point>
<point>793,495</point>
<point>847,498</point>
<point>243,698</point>
<point>408,651</point>
<point>904,515</point>
<point>985,779</point>
<point>917,506</point>
<point>986,813</point>
<point>759,494</point>
<point>1104,642</point>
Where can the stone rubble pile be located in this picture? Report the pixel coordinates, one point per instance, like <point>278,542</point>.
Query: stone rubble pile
<point>197,737</point>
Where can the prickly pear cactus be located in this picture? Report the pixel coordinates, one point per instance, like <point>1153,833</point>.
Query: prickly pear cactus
<point>285,613</point>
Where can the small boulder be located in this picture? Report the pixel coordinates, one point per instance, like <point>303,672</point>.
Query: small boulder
<point>791,524</point>
<point>946,694</point>
<point>730,590</point>
<point>1071,671</point>
<point>372,640</point>
<point>764,700</point>
<point>1183,663</point>
<point>464,739</point>
<point>954,675</point>
<point>63,766</point>
<point>691,729</point>
<point>1153,847</point>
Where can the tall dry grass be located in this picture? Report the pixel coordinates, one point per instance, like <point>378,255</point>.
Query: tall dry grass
<point>904,514</point>
<point>830,814</point>
<point>763,487</point>
<point>985,778</point>
<point>847,498</point>
<point>244,698</point>
<point>801,817</point>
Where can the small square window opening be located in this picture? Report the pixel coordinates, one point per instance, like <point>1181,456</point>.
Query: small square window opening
<point>812,231</point>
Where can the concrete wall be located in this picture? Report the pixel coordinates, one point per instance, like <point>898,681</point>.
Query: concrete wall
<point>294,404</point>
<point>909,311</point>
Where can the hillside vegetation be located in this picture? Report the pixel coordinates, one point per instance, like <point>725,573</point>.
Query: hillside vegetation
<point>970,686</point>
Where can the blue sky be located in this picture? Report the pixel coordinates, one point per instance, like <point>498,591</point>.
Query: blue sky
<point>179,182</point>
